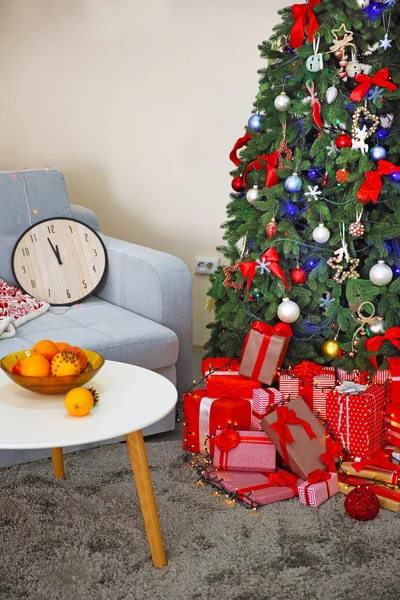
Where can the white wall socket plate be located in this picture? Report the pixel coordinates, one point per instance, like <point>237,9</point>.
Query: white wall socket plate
<point>206,266</point>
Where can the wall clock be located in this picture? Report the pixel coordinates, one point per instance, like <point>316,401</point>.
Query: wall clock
<point>61,261</point>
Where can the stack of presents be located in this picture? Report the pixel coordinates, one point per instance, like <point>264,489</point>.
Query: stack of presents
<point>309,432</point>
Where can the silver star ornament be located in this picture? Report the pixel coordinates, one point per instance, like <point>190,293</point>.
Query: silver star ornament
<point>385,43</point>
<point>313,193</point>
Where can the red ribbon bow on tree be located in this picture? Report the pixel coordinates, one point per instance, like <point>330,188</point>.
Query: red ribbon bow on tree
<point>227,440</point>
<point>286,417</point>
<point>374,344</point>
<point>243,141</point>
<point>315,104</point>
<point>300,13</point>
<point>333,450</point>
<point>306,370</point>
<point>317,476</point>
<point>380,79</point>
<point>271,176</point>
<point>372,186</point>
<point>268,262</point>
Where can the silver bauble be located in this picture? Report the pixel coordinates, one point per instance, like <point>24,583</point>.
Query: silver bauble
<point>378,153</point>
<point>321,234</point>
<point>253,194</point>
<point>331,94</point>
<point>381,274</point>
<point>288,311</point>
<point>363,3</point>
<point>378,329</point>
<point>282,102</point>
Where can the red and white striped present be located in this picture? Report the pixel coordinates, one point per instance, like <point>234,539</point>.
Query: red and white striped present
<point>319,487</point>
<point>356,376</point>
<point>262,399</point>
<point>310,381</point>
<point>381,377</point>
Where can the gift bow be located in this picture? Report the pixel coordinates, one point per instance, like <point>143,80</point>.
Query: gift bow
<point>227,440</point>
<point>271,176</point>
<point>278,479</point>
<point>249,269</point>
<point>333,450</point>
<point>374,344</point>
<point>286,417</point>
<point>349,388</point>
<point>372,186</point>
<point>318,476</point>
<point>243,141</point>
<point>282,329</point>
<point>380,460</point>
<point>380,79</point>
<point>300,13</point>
<point>306,370</point>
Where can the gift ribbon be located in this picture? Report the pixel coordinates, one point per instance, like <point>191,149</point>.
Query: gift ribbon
<point>300,13</point>
<point>241,142</point>
<point>286,417</point>
<point>315,104</point>
<point>316,476</point>
<point>351,388</point>
<point>372,186</point>
<point>279,479</point>
<point>306,370</point>
<point>333,450</point>
<point>228,442</point>
<point>381,79</point>
<point>271,176</point>
<point>380,461</point>
<point>268,261</point>
<point>204,421</point>
<point>374,344</point>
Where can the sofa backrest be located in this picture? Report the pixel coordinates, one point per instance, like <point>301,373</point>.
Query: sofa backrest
<point>27,197</point>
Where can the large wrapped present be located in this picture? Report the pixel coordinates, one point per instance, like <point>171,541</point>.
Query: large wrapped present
<point>244,451</point>
<point>230,385</point>
<point>319,487</point>
<point>391,424</point>
<point>256,489</point>
<point>204,416</point>
<point>388,498</point>
<point>394,380</point>
<point>355,414</point>
<point>264,350</point>
<point>298,436</point>
<point>262,400</point>
<point>224,364</point>
<point>310,381</point>
<point>390,476</point>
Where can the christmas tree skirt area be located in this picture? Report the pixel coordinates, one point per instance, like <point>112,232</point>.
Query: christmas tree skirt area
<point>84,538</point>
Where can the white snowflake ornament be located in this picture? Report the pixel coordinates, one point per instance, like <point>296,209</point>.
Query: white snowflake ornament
<point>313,193</point>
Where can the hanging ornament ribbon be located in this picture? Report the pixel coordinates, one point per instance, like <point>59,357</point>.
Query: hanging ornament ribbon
<point>374,344</point>
<point>287,416</point>
<point>300,13</point>
<point>271,176</point>
<point>315,104</point>
<point>243,141</point>
<point>381,79</point>
<point>268,262</point>
<point>333,450</point>
<point>372,186</point>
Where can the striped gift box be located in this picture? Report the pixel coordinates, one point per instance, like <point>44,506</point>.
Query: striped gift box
<point>261,400</point>
<point>314,494</point>
<point>379,378</point>
<point>314,393</point>
<point>290,386</point>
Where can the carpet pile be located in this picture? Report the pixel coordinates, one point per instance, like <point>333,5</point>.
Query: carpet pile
<point>83,538</point>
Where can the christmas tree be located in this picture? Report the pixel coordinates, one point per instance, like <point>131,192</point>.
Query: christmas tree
<point>313,229</point>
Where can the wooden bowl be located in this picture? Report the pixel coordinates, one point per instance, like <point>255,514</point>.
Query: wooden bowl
<point>51,385</point>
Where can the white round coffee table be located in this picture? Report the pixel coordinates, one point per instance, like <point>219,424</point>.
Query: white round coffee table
<point>131,398</point>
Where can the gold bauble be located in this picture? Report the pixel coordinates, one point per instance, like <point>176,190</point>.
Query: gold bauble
<point>330,349</point>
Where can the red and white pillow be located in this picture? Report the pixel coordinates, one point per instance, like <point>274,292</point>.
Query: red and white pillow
<point>16,308</point>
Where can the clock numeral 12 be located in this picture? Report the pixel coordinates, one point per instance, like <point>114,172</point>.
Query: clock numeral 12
<point>50,228</point>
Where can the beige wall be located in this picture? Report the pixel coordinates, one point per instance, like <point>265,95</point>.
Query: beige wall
<point>138,102</point>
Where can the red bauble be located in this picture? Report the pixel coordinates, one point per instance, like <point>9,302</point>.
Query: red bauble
<point>361,504</point>
<point>298,276</point>
<point>344,141</point>
<point>237,184</point>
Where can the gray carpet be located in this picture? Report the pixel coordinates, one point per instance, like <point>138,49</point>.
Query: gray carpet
<point>83,539</point>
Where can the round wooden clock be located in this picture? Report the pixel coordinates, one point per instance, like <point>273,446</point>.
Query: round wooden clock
<point>61,261</point>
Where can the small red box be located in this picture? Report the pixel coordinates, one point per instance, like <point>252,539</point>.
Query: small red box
<point>230,385</point>
<point>244,451</point>
<point>208,365</point>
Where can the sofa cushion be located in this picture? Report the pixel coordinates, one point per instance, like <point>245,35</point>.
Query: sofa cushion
<point>95,324</point>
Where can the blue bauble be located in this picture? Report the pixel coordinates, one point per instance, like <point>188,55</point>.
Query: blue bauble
<point>293,183</point>
<point>395,177</point>
<point>378,153</point>
<point>381,134</point>
<point>313,173</point>
<point>255,123</point>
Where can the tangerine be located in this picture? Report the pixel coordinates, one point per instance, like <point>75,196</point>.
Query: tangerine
<point>45,348</point>
<point>35,366</point>
<point>79,402</point>
<point>65,363</point>
<point>17,367</point>
<point>62,346</point>
<point>83,359</point>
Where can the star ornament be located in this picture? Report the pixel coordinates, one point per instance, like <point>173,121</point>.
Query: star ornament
<point>385,43</point>
<point>313,193</point>
<point>332,150</point>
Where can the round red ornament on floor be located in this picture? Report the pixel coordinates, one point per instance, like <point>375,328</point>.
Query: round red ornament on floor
<point>298,276</point>
<point>361,504</point>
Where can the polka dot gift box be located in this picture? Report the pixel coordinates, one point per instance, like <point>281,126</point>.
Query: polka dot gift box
<point>355,414</point>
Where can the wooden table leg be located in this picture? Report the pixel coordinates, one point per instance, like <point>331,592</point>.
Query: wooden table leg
<point>141,472</point>
<point>58,463</point>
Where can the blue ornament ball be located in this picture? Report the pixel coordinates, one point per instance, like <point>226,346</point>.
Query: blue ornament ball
<point>313,173</point>
<point>382,133</point>
<point>255,123</point>
<point>378,153</point>
<point>293,183</point>
<point>395,177</point>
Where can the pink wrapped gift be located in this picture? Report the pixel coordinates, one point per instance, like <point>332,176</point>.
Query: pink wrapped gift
<point>319,487</point>
<point>244,451</point>
<point>262,399</point>
<point>310,381</point>
<point>256,489</point>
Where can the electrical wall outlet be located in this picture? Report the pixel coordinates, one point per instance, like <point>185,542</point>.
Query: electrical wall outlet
<point>206,266</point>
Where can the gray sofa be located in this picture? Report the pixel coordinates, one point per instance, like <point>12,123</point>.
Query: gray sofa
<point>141,315</point>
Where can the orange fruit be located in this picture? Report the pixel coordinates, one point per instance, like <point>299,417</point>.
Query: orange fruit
<point>62,346</point>
<point>79,402</point>
<point>35,366</point>
<point>45,348</point>
<point>81,355</point>
<point>17,367</point>
<point>65,363</point>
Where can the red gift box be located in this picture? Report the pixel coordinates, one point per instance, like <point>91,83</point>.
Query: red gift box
<point>262,399</point>
<point>208,365</point>
<point>244,451</point>
<point>356,419</point>
<point>319,487</point>
<point>264,350</point>
<point>204,416</point>
<point>310,381</point>
<point>394,380</point>
<point>230,385</point>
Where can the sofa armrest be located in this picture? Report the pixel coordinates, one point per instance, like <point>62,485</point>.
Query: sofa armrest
<point>87,216</point>
<point>157,286</point>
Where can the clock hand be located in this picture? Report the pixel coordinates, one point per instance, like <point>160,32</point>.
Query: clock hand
<point>58,255</point>
<point>56,252</point>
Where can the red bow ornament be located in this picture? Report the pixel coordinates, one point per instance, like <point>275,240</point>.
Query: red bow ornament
<point>227,440</point>
<point>287,417</point>
<point>333,450</point>
<point>283,479</point>
<point>315,104</point>
<point>306,370</point>
<point>271,176</point>
<point>374,344</point>
<point>372,186</point>
<point>267,263</point>
<point>282,329</point>
<point>381,79</point>
<point>241,142</point>
<point>300,14</point>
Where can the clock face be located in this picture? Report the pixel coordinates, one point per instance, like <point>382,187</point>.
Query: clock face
<point>60,261</point>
